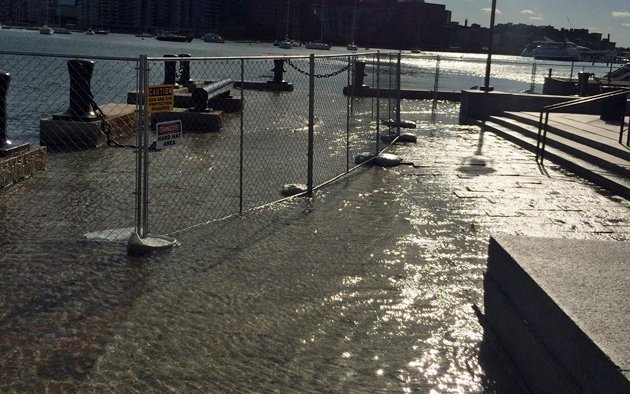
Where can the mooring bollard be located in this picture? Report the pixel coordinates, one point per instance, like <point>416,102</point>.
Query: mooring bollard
<point>5,78</point>
<point>184,69</point>
<point>278,71</point>
<point>170,71</point>
<point>358,75</point>
<point>6,146</point>
<point>80,94</point>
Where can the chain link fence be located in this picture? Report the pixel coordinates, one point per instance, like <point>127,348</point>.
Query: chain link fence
<point>251,126</point>
<point>80,190</point>
<point>264,124</point>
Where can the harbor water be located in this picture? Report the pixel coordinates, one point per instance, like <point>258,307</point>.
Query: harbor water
<point>370,286</point>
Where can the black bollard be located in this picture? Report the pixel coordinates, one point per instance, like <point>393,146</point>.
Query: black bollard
<point>359,75</point>
<point>5,78</point>
<point>7,146</point>
<point>170,71</point>
<point>184,69</point>
<point>583,83</point>
<point>81,99</point>
<point>278,71</point>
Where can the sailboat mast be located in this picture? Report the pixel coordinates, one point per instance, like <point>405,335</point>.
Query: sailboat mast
<point>286,34</point>
<point>354,20</point>
<point>321,24</point>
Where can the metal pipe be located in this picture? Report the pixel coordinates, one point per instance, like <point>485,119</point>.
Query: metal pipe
<point>139,142</point>
<point>378,102</point>
<point>398,94</point>
<point>311,120</point>
<point>145,148</point>
<point>348,104</point>
<point>242,134</point>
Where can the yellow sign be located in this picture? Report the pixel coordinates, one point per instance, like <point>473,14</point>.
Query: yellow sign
<point>160,98</point>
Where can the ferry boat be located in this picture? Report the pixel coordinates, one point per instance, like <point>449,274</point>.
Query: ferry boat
<point>563,51</point>
<point>548,49</point>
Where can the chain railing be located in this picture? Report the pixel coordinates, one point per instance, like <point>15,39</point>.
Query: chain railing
<point>251,127</point>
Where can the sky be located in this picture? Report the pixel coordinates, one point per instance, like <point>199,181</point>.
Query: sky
<point>598,16</point>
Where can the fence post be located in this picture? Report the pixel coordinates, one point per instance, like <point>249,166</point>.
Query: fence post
<point>378,102</point>
<point>242,132</point>
<point>398,95</point>
<point>142,152</point>
<point>311,121</point>
<point>349,99</point>
<point>532,84</point>
<point>436,83</point>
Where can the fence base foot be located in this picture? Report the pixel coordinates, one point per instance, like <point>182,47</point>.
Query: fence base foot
<point>137,246</point>
<point>387,160</point>
<point>408,137</point>
<point>363,157</point>
<point>293,189</point>
<point>404,124</point>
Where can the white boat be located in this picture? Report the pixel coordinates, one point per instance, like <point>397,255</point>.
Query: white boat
<point>563,51</point>
<point>320,45</point>
<point>212,37</point>
<point>286,44</point>
<point>62,30</point>
<point>46,30</point>
<point>353,46</point>
<point>90,32</point>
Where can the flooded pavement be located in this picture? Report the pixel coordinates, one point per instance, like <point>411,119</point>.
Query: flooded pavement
<point>369,287</point>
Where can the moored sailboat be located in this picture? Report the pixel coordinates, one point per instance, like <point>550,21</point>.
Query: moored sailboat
<point>319,45</point>
<point>352,46</point>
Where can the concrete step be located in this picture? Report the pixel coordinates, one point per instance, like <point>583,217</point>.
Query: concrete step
<point>579,128</point>
<point>616,184</point>
<point>575,148</point>
<point>556,307</point>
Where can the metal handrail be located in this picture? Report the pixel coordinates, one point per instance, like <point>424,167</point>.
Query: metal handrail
<point>543,121</point>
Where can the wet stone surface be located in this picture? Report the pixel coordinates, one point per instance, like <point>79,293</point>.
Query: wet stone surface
<point>369,287</point>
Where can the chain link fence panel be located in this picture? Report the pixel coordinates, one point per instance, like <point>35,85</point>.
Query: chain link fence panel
<point>245,137</point>
<point>73,107</point>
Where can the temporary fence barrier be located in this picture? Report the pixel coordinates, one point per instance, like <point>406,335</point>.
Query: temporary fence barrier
<point>251,126</point>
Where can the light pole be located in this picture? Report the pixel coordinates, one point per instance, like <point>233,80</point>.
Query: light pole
<point>486,84</point>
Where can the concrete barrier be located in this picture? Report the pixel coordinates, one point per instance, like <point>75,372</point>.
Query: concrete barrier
<point>560,309</point>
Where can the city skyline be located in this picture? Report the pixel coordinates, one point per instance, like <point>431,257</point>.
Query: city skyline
<point>605,17</point>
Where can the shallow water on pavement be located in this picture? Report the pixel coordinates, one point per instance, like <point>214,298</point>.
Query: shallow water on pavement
<point>369,287</point>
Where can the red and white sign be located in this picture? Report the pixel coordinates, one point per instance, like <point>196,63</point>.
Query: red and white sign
<point>168,133</point>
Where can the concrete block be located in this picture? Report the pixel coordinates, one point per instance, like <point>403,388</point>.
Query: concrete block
<point>61,134</point>
<point>21,166</point>
<point>572,296</point>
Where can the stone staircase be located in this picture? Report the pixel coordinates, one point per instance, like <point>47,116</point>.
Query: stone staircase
<point>582,144</point>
